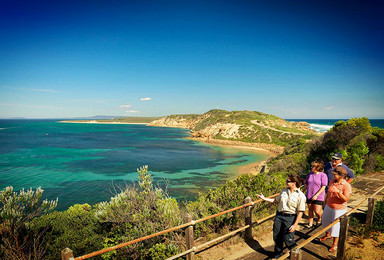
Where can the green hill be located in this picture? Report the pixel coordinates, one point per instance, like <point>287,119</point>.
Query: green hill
<point>244,126</point>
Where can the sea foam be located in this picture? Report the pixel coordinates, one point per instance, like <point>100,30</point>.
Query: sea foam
<point>320,128</point>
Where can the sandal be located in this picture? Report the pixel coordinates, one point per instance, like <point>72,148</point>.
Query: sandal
<point>308,226</point>
<point>324,238</point>
<point>333,249</point>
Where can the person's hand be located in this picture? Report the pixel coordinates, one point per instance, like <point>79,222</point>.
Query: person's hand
<point>314,197</point>
<point>261,196</point>
<point>292,228</point>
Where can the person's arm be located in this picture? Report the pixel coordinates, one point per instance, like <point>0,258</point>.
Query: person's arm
<point>318,193</point>
<point>298,218</point>
<point>271,200</point>
<point>305,188</point>
<point>350,174</point>
<point>325,199</point>
<point>344,195</point>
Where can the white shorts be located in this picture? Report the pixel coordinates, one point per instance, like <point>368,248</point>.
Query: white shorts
<point>330,215</point>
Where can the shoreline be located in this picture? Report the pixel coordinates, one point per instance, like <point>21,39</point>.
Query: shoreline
<point>251,167</point>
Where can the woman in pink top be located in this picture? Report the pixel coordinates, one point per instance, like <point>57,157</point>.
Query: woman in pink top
<point>339,191</point>
<point>315,184</point>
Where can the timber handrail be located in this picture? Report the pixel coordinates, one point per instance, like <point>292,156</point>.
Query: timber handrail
<point>191,223</point>
<point>216,240</point>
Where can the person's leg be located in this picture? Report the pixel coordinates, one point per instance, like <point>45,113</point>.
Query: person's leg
<point>289,238</point>
<point>326,220</point>
<point>334,245</point>
<point>317,210</point>
<point>310,214</point>
<point>278,235</point>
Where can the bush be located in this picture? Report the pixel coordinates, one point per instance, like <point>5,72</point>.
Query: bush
<point>77,228</point>
<point>231,195</point>
<point>378,215</point>
<point>138,212</point>
<point>16,211</point>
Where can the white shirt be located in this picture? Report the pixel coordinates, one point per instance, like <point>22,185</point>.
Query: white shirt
<point>291,203</point>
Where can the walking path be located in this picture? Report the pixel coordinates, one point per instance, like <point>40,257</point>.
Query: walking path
<point>261,247</point>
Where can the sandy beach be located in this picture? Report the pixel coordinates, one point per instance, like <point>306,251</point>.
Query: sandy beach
<point>253,167</point>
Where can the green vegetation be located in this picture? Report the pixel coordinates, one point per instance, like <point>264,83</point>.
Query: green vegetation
<point>253,126</point>
<point>30,230</point>
<point>16,212</point>
<point>361,145</point>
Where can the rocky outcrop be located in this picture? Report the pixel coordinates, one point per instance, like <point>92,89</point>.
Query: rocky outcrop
<point>230,131</point>
<point>176,121</point>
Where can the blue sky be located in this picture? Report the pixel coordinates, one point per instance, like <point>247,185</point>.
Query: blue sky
<point>293,59</point>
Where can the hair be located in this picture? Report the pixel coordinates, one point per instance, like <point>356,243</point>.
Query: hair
<point>340,171</point>
<point>296,179</point>
<point>318,166</point>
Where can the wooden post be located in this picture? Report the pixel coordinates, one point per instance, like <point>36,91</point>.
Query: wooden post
<point>66,254</point>
<point>371,209</point>
<point>295,254</point>
<point>248,218</point>
<point>341,248</point>
<point>189,237</point>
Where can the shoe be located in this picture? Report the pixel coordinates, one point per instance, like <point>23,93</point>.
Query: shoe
<point>277,256</point>
<point>333,249</point>
<point>308,226</point>
<point>324,238</point>
<point>318,223</point>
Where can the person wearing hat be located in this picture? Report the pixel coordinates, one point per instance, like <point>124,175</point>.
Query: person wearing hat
<point>336,199</point>
<point>337,161</point>
<point>290,208</point>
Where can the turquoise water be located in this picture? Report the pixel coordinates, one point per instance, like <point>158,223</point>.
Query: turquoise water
<point>87,163</point>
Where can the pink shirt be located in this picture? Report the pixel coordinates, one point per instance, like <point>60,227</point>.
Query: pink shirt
<point>333,199</point>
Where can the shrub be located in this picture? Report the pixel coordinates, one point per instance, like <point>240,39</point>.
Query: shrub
<point>138,212</point>
<point>77,228</point>
<point>16,211</point>
<point>378,215</point>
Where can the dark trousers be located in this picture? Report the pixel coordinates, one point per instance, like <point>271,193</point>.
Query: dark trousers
<point>281,233</point>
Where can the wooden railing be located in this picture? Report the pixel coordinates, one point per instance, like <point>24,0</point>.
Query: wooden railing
<point>67,254</point>
<point>295,253</point>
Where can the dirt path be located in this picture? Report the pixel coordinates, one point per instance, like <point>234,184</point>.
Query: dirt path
<point>262,245</point>
<point>274,129</point>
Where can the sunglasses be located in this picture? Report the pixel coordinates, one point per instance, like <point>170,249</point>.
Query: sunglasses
<point>288,181</point>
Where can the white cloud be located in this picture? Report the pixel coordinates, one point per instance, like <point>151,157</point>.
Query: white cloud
<point>126,106</point>
<point>145,99</point>
<point>132,111</point>
<point>329,108</point>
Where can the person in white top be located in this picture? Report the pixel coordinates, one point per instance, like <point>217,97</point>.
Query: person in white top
<point>290,209</point>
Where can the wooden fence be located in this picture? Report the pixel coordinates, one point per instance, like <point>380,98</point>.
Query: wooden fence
<point>295,253</point>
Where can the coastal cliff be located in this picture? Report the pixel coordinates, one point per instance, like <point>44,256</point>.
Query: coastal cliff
<point>241,128</point>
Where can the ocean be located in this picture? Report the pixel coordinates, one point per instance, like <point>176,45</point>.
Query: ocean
<point>89,163</point>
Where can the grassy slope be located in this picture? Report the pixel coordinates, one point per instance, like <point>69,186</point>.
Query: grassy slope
<point>254,126</point>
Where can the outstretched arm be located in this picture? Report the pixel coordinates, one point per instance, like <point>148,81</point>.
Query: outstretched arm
<point>261,196</point>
